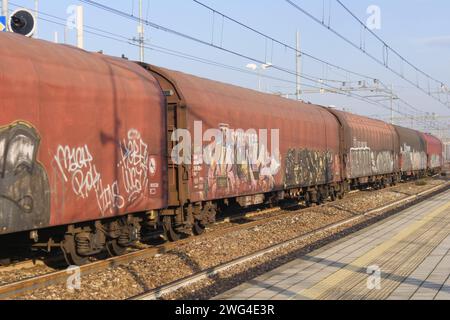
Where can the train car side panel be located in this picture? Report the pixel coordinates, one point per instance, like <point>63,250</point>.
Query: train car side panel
<point>434,151</point>
<point>308,153</point>
<point>76,136</point>
<point>413,153</point>
<point>370,146</point>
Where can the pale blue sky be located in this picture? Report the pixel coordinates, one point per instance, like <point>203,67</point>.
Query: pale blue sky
<point>418,29</point>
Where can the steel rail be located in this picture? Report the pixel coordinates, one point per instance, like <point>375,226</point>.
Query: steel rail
<point>15,289</point>
<point>176,285</point>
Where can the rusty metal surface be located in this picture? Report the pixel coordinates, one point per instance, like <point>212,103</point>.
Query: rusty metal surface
<point>434,151</point>
<point>308,135</point>
<point>370,146</point>
<point>82,136</point>
<point>413,152</point>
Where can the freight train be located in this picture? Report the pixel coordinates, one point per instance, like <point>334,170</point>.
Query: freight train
<point>96,152</point>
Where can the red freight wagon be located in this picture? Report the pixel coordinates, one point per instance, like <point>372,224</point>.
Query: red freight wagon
<point>308,139</point>
<point>370,148</point>
<point>434,152</point>
<point>413,153</point>
<point>92,145</point>
<point>76,139</point>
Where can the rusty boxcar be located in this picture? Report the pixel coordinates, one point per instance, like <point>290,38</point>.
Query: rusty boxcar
<point>76,143</point>
<point>370,149</point>
<point>96,151</point>
<point>434,152</point>
<point>413,152</point>
<point>308,136</point>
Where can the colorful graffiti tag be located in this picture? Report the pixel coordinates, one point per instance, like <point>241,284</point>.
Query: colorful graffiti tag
<point>238,163</point>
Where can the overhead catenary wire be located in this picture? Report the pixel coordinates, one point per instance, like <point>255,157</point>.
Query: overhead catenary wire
<point>126,40</point>
<point>186,36</point>
<point>207,43</point>
<point>386,51</point>
<point>332,89</point>
<point>297,51</point>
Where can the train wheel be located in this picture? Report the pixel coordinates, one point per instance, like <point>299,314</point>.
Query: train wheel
<point>114,249</point>
<point>333,195</point>
<point>69,249</point>
<point>308,199</point>
<point>198,228</point>
<point>169,231</point>
<point>5,262</point>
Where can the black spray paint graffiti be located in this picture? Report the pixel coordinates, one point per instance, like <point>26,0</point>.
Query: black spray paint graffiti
<point>24,185</point>
<point>77,166</point>
<point>307,168</point>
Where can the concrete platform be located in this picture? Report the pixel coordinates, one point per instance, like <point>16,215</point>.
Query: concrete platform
<point>404,257</point>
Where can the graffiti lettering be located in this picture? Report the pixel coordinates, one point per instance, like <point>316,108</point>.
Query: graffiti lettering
<point>134,164</point>
<point>366,162</point>
<point>77,166</point>
<point>411,159</point>
<point>308,167</point>
<point>236,161</point>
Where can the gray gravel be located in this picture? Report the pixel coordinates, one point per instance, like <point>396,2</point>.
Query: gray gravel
<point>139,276</point>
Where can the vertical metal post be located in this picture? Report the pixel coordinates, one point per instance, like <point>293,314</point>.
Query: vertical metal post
<point>392,104</point>
<point>56,40</point>
<point>65,34</point>
<point>141,33</point>
<point>5,9</point>
<point>80,27</point>
<point>36,16</point>
<point>298,57</point>
<point>259,80</point>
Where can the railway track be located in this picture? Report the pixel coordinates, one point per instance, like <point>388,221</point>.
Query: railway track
<point>17,288</point>
<point>30,263</point>
<point>176,285</point>
<point>59,276</point>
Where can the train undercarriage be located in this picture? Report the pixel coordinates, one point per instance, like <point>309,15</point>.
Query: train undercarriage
<point>99,239</point>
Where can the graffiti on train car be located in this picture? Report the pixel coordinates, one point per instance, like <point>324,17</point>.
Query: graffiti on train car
<point>78,168</point>
<point>236,161</point>
<point>135,165</point>
<point>435,161</point>
<point>308,167</point>
<point>24,185</point>
<point>366,162</point>
<point>412,159</point>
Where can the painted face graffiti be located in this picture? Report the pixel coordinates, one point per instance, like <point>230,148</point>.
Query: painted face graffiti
<point>308,167</point>
<point>24,185</point>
